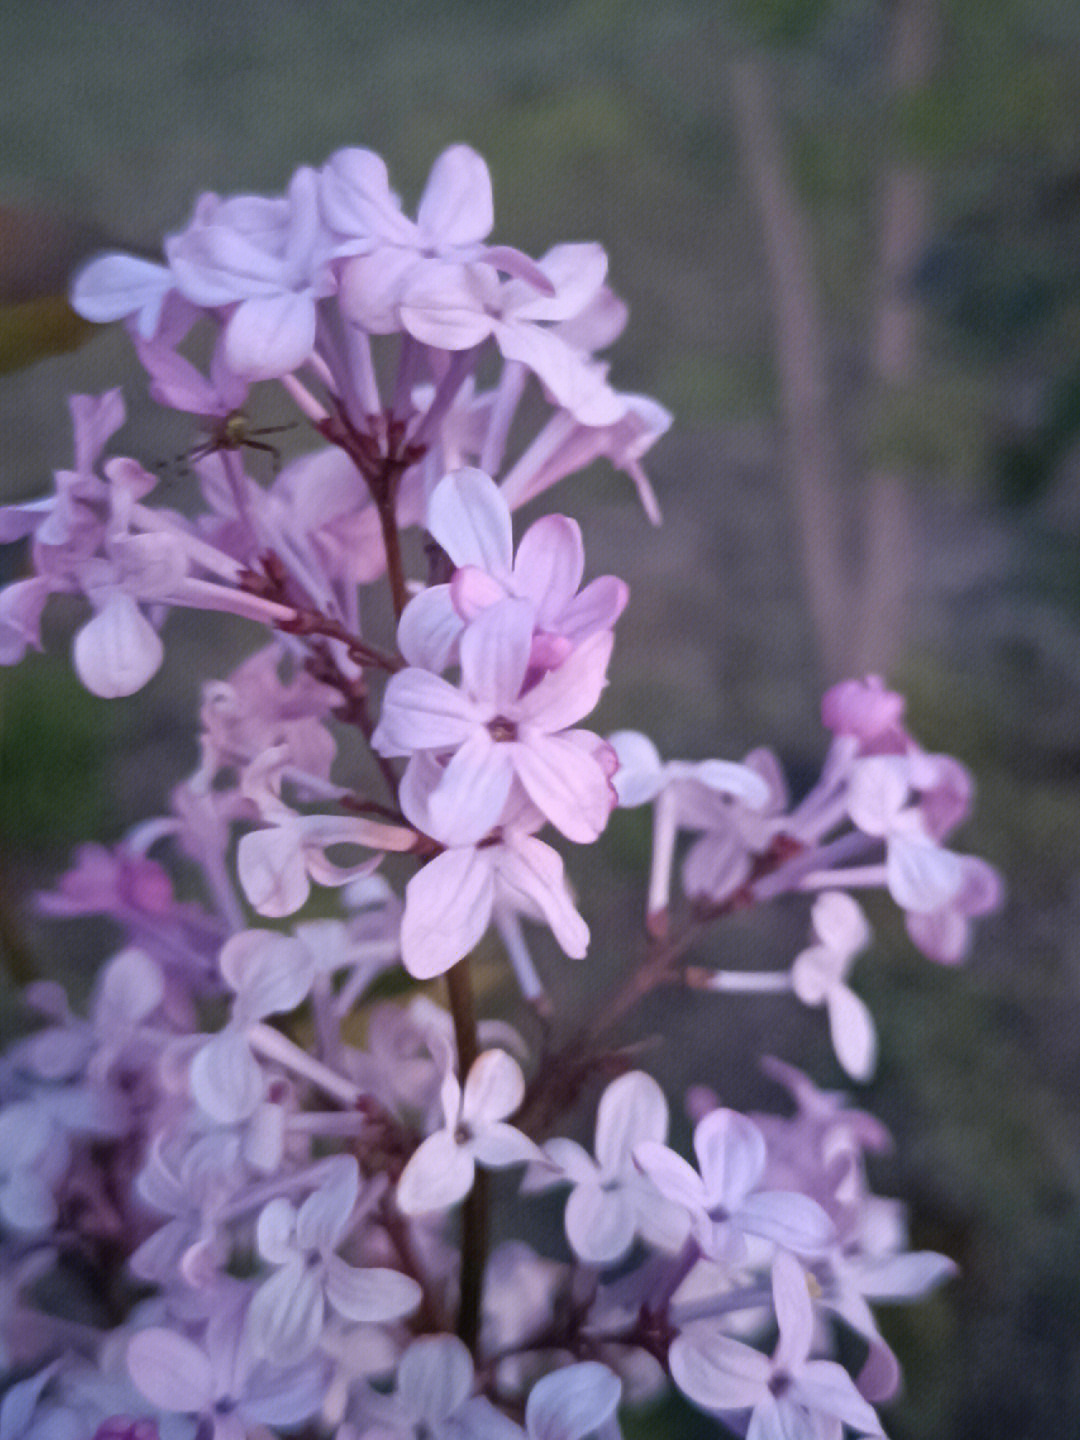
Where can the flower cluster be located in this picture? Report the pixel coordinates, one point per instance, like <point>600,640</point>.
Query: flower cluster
<point>263,1168</point>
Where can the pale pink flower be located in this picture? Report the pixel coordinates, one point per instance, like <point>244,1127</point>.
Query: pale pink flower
<point>818,978</point>
<point>788,1394</point>
<point>474,1132</point>
<point>495,732</point>
<point>470,519</point>
<point>612,1201</point>
<point>723,1201</point>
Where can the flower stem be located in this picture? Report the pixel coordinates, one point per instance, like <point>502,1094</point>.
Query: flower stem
<point>475,1212</point>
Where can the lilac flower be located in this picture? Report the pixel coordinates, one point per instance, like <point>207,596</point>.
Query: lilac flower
<point>788,1395</point>
<point>818,976</point>
<point>457,307</point>
<point>921,876</point>
<point>268,259</point>
<point>66,522</point>
<point>384,248</point>
<point>945,934</point>
<point>470,519</point>
<point>129,989</point>
<point>451,901</point>
<point>496,732</point>
<point>33,1158</point>
<point>567,445</point>
<point>612,1200</point>
<point>724,1202</point>
<point>286,1315</point>
<point>734,808</point>
<point>474,1131</point>
<point>216,1384</point>
<point>270,975</point>
<point>276,865</point>
<point>434,1399</point>
<point>868,712</point>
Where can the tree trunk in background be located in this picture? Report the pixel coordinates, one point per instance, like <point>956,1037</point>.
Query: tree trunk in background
<point>811,447</point>
<point>888,560</point>
<point>858,612</point>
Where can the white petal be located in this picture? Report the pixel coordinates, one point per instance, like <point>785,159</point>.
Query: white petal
<point>494,1088</point>
<point>641,773</point>
<point>421,711</point>
<point>435,1377</point>
<point>470,519</point>
<point>286,1314</point>
<point>789,1219</point>
<point>113,287</point>
<point>429,629</point>
<point>437,1176</point>
<point>275,1231</point>
<point>270,335</point>
<point>853,1035</point>
<point>272,870</point>
<point>226,1079</point>
<point>375,1296</point>
<point>794,1312</point>
<point>826,1387</point>
<point>549,564</point>
<point>447,909</point>
<point>840,923</point>
<point>566,784</point>
<point>456,207</point>
<point>717,1372</point>
<point>325,1214</point>
<point>572,1402</point>
<point>171,1371</point>
<point>530,874</point>
<point>731,1152</point>
<point>468,801</point>
<point>922,877</point>
<point>632,1109</point>
<point>117,651</point>
<point>564,696</point>
<point>599,1224</point>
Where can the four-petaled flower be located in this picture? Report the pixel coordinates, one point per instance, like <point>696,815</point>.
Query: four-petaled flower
<point>443,1169</point>
<point>285,1318</point>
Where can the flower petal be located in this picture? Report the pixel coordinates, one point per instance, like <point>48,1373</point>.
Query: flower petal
<point>566,784</point>
<point>438,1175</point>
<point>421,711</point>
<point>270,335</point>
<point>374,1296</point>
<point>117,651</point>
<point>572,1402</point>
<point>716,1371</point>
<point>171,1371</point>
<point>494,1088</point>
<point>286,1314</point>
<point>447,909</point>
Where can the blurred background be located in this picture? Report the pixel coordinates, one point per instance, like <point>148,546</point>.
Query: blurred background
<point>849,235</point>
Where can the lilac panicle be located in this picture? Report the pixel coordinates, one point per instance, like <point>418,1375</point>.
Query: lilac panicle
<point>272,1164</point>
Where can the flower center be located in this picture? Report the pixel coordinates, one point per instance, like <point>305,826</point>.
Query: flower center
<point>502,729</point>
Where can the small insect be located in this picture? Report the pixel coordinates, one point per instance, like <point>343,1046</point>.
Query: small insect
<point>234,431</point>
